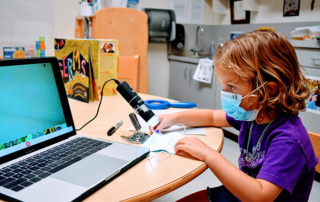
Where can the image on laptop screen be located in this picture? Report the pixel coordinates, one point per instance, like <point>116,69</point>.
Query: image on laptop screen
<point>30,107</point>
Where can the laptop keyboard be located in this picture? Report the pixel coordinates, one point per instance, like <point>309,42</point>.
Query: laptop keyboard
<point>33,169</point>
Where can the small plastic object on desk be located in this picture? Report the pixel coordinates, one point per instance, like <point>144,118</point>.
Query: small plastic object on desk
<point>183,104</point>
<point>163,104</point>
<point>157,104</point>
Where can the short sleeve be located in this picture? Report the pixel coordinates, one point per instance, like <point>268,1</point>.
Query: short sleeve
<point>234,123</point>
<point>284,164</point>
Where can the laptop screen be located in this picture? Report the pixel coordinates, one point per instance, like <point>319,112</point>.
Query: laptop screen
<point>30,107</point>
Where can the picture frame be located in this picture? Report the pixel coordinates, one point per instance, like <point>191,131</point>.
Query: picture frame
<point>291,8</point>
<point>313,102</point>
<point>238,16</point>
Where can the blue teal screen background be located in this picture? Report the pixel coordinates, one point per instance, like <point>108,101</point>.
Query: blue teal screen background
<point>29,101</point>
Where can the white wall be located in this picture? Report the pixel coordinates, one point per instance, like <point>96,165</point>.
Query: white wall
<point>270,11</point>
<point>23,22</point>
<point>66,12</point>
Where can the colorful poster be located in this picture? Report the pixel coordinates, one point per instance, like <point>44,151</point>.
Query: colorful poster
<point>75,62</point>
<point>108,66</point>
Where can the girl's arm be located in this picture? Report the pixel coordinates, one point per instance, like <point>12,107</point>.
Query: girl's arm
<point>193,118</point>
<point>237,182</point>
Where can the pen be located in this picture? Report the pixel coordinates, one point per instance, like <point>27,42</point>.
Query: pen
<point>114,128</point>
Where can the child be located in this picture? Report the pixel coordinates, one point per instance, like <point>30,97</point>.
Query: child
<point>263,91</point>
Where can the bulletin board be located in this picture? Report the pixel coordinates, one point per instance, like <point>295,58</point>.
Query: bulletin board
<point>23,22</point>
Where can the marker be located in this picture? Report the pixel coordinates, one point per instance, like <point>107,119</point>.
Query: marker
<point>114,128</point>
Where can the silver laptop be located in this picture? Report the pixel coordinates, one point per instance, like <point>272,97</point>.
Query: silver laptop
<point>41,156</point>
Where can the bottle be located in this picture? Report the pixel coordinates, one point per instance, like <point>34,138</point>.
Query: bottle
<point>31,52</point>
<point>211,50</point>
<point>132,4</point>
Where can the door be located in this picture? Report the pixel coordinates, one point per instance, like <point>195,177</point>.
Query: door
<point>179,81</point>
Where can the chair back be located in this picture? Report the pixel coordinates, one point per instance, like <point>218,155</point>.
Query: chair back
<point>128,70</point>
<point>315,139</point>
<point>130,27</point>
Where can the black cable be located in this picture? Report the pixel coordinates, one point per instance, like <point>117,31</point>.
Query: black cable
<point>115,80</point>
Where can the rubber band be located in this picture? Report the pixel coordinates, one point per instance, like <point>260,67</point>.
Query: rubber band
<point>163,104</point>
<point>157,104</point>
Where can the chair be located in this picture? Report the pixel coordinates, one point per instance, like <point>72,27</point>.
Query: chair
<point>130,27</point>
<point>315,139</point>
<point>128,70</point>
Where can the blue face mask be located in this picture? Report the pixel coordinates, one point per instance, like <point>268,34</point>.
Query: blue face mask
<point>230,104</point>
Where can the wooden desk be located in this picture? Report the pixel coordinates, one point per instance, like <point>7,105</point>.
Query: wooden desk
<point>147,180</point>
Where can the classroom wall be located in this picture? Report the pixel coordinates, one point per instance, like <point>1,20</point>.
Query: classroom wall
<point>65,18</point>
<point>270,11</point>
<point>23,22</point>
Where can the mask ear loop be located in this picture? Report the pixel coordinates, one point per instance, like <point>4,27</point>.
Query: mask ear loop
<point>184,130</point>
<point>255,90</point>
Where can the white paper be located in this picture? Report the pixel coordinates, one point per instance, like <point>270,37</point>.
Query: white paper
<point>163,142</point>
<point>196,10</point>
<point>204,71</point>
<point>189,131</point>
<point>180,9</point>
<point>239,13</point>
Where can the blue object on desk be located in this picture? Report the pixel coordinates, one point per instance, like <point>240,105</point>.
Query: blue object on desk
<point>183,104</point>
<point>157,104</point>
<point>162,104</point>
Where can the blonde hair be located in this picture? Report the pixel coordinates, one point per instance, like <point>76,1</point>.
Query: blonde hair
<point>262,56</point>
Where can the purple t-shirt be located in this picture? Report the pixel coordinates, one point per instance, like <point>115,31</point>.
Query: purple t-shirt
<point>285,156</point>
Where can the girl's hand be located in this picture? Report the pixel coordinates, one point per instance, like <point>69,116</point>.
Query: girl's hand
<point>166,121</point>
<point>194,147</point>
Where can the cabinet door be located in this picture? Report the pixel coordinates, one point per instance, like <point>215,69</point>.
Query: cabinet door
<point>199,92</point>
<point>179,81</point>
<point>310,58</point>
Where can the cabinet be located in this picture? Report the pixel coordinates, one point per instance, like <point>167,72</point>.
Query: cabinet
<point>309,57</point>
<point>183,88</point>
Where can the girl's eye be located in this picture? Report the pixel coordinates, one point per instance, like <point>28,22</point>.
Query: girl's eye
<point>231,87</point>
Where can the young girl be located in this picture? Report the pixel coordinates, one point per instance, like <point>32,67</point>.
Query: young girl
<point>263,91</point>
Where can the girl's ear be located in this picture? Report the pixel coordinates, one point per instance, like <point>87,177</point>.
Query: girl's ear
<point>272,87</point>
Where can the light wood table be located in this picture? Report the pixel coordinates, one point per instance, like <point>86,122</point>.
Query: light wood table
<point>149,179</point>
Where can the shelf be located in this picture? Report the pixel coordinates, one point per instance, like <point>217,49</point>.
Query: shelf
<point>223,7</point>
<point>305,44</point>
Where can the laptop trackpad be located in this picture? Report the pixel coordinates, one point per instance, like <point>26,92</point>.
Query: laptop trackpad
<point>90,170</point>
